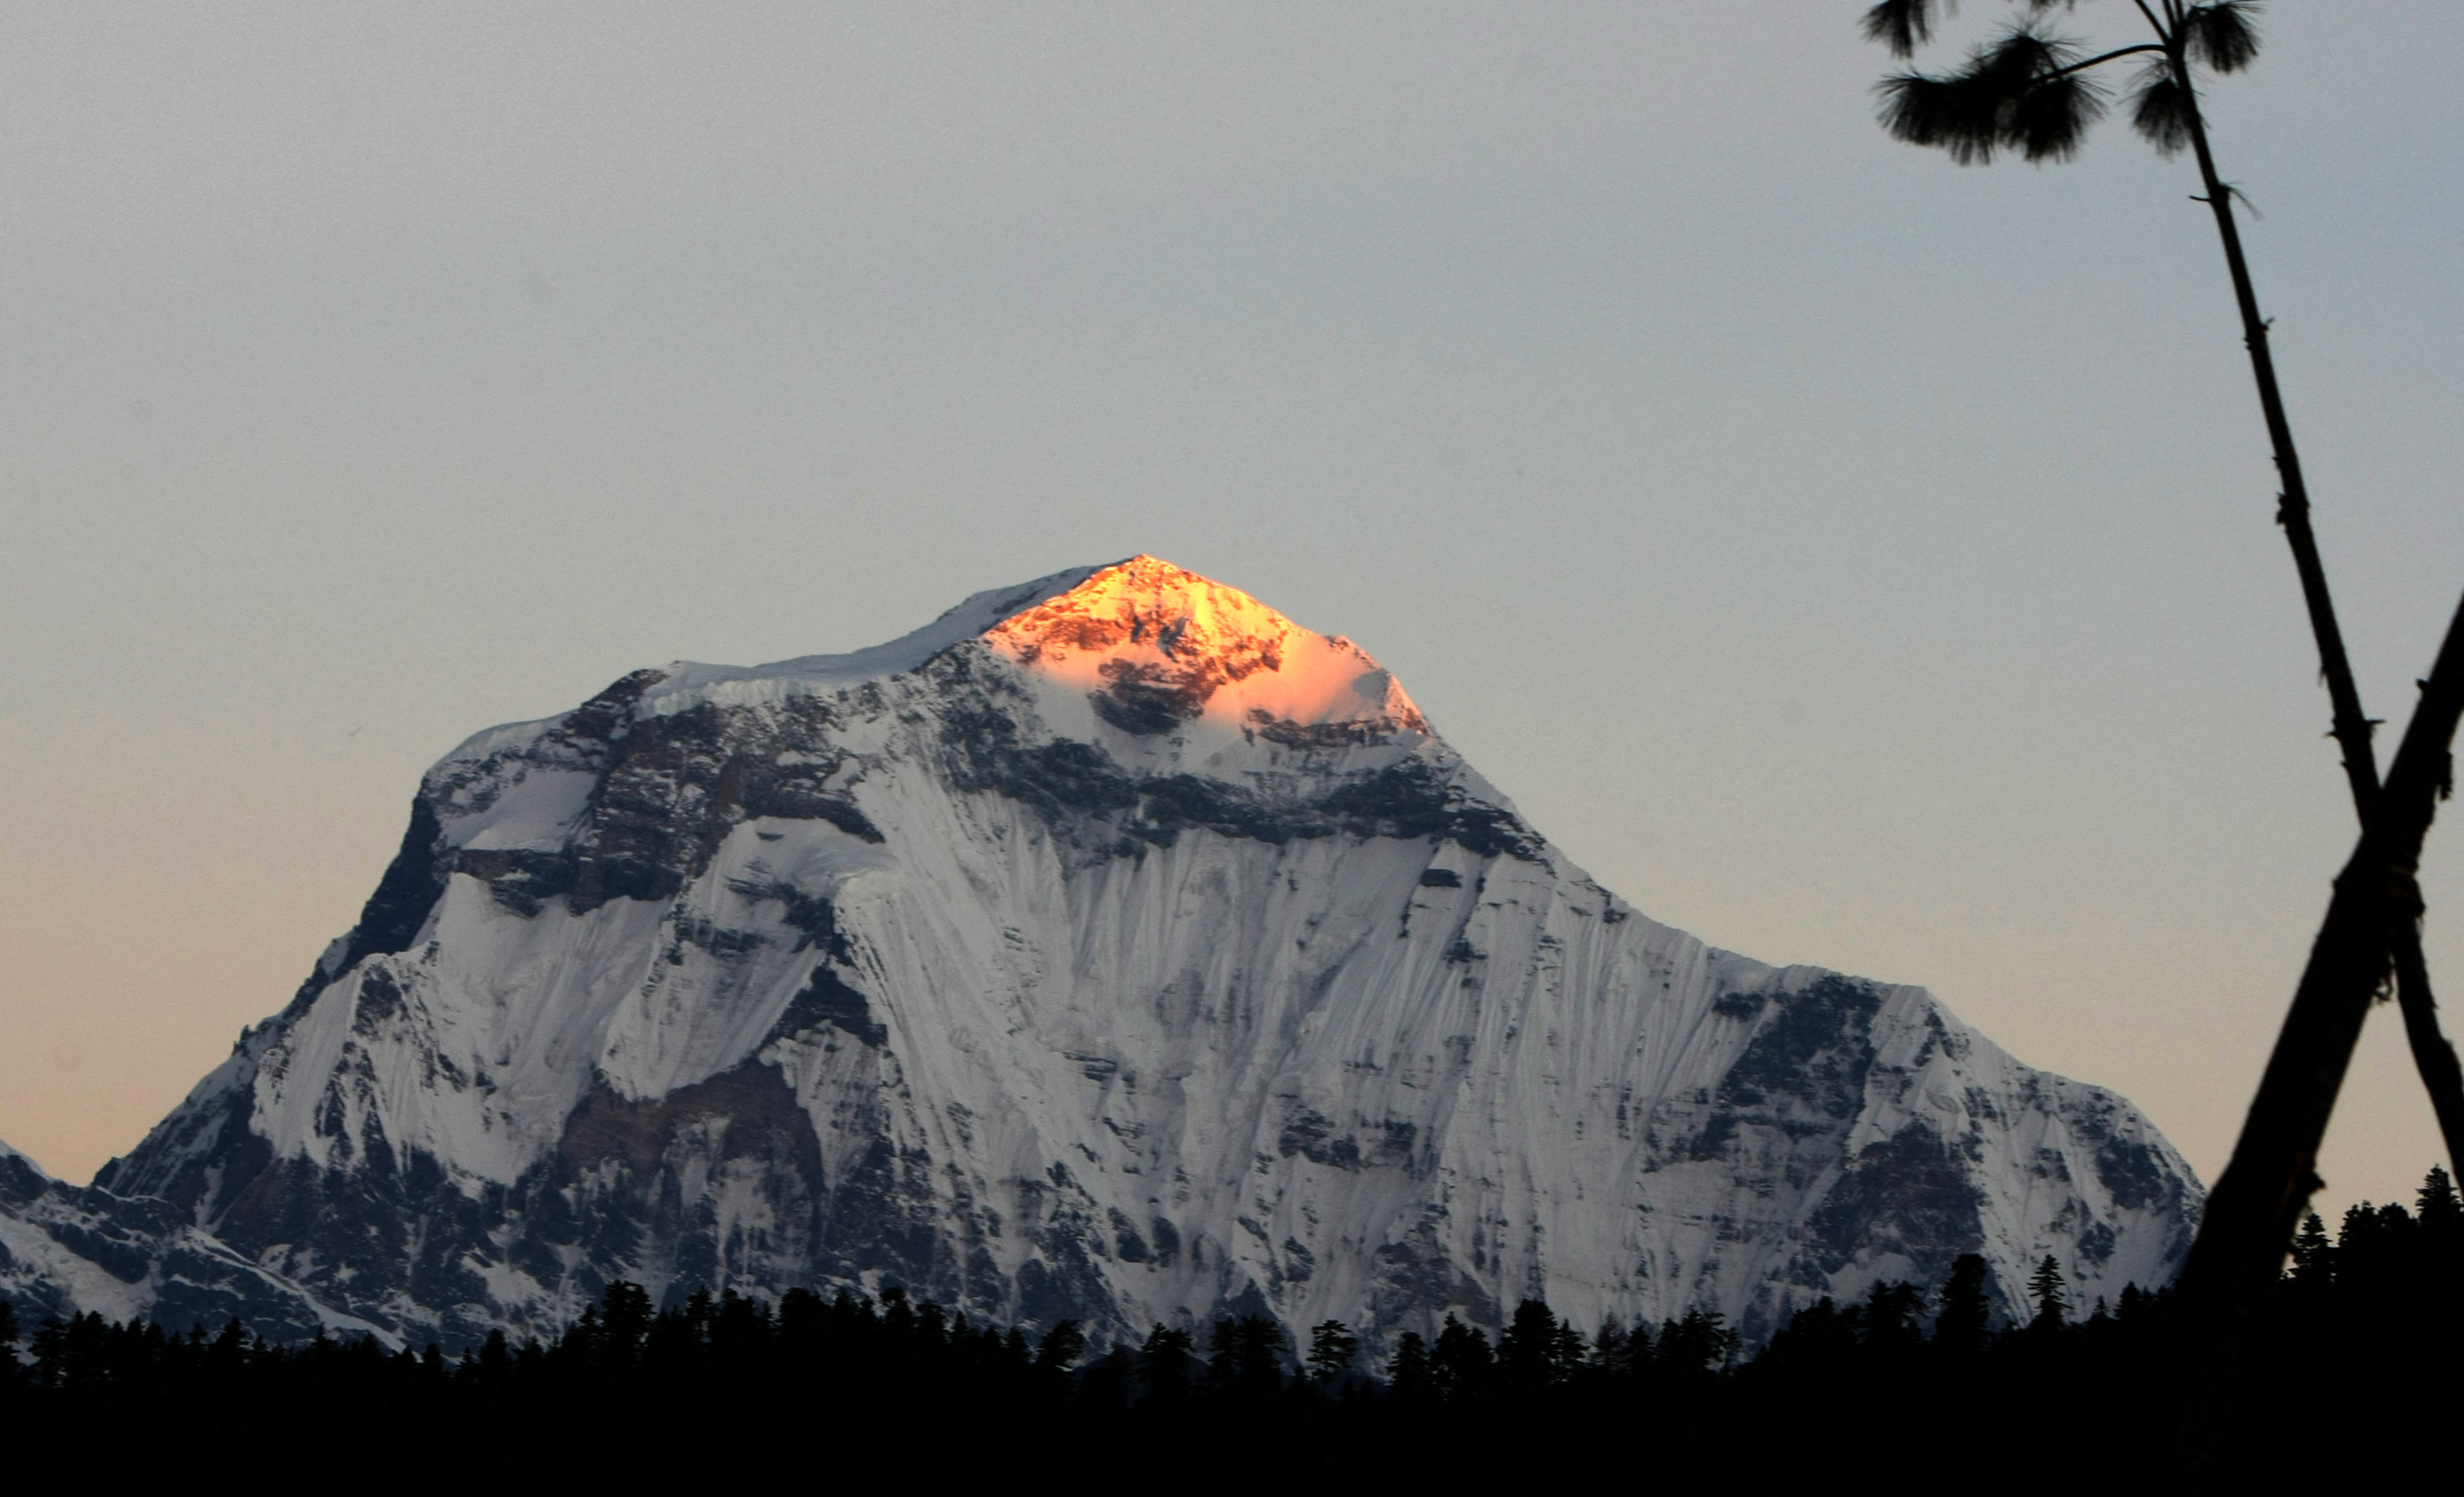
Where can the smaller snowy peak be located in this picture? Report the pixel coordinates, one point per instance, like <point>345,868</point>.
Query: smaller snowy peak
<point>1155,646</point>
<point>688,682</point>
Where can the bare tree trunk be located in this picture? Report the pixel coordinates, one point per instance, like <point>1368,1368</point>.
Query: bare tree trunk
<point>2250,1218</point>
<point>2431,1054</point>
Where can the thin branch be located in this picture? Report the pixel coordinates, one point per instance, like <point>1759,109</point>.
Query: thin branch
<point>2081,67</point>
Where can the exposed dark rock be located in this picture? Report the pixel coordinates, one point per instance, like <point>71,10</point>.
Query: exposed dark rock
<point>195,1279</point>
<point>1081,790</point>
<point>1906,1194</point>
<point>1142,698</point>
<point>810,915</point>
<point>1127,1244</point>
<point>1413,800</point>
<point>2135,1176</point>
<point>1313,1137</point>
<point>1814,1049</point>
<point>412,884</point>
<point>828,1000</point>
<point>1353,733</point>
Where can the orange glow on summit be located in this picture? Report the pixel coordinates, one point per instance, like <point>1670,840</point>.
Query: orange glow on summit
<point>1158,645</point>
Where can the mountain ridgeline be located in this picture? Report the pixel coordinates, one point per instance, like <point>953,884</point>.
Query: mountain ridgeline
<point>1113,950</point>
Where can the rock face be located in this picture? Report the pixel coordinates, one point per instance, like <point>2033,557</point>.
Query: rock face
<point>65,1249</point>
<point>1112,949</point>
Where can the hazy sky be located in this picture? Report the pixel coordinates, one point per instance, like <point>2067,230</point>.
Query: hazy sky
<point>1849,558</point>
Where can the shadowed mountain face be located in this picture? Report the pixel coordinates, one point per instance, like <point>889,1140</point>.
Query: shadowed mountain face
<point>1111,949</point>
<point>66,1249</point>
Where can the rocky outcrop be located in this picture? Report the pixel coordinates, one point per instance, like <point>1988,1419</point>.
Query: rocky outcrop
<point>67,1250</point>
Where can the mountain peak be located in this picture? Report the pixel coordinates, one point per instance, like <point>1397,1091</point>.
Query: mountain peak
<point>1155,646</point>
<point>1148,600</point>
<point>1112,949</point>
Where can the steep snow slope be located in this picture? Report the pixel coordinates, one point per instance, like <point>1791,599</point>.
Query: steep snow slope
<point>1112,948</point>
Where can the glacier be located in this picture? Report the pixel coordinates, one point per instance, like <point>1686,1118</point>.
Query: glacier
<point>1111,949</point>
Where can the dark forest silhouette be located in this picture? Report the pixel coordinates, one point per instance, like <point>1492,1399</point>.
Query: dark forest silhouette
<point>1907,1379</point>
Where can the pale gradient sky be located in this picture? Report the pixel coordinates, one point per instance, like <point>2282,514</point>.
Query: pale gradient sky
<point>1848,558</point>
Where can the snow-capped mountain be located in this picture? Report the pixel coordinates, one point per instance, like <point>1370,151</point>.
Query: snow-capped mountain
<point>1112,948</point>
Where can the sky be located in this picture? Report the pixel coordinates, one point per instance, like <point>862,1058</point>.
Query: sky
<point>1850,557</point>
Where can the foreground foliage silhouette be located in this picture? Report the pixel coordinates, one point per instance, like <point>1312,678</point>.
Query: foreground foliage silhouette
<point>2037,92</point>
<point>1907,1377</point>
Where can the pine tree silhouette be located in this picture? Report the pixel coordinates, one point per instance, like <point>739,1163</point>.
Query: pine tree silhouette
<point>625,1317</point>
<point>1246,1357</point>
<point>1460,1364</point>
<point>2045,1286</point>
<point>1408,1374</point>
<point>1332,1348</point>
<point>2440,1213</point>
<point>1527,1351</point>
<point>1699,1344</point>
<point>1966,1311</point>
<point>1163,1366</point>
<point>2314,1263</point>
<point>1892,1313</point>
<point>1061,1347</point>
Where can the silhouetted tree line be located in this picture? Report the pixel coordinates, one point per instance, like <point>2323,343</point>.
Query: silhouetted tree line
<point>1901,1381</point>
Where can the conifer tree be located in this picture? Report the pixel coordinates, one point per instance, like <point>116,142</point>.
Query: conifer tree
<point>1408,1374</point>
<point>624,1319</point>
<point>1163,1364</point>
<point>1247,1357</point>
<point>2045,1286</point>
<point>1527,1349</point>
<point>1639,1352</point>
<point>1966,1311</point>
<point>2132,1304</point>
<point>1566,1351</point>
<point>897,1313</point>
<point>1460,1362</point>
<point>1061,1347</point>
<point>495,1359</point>
<point>1608,1351</point>
<point>1699,1343</point>
<point>2440,1213</point>
<point>1892,1310</point>
<point>1332,1348</point>
<point>2313,1258</point>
